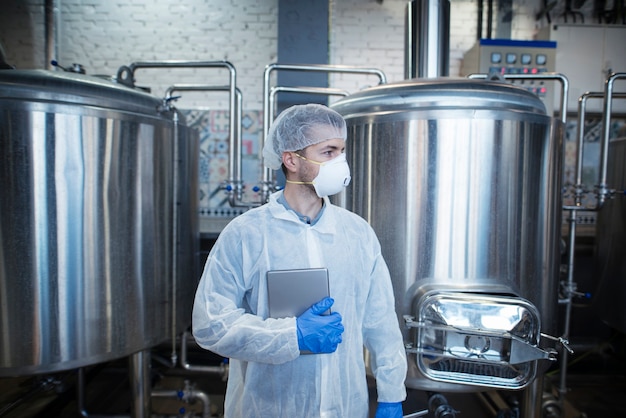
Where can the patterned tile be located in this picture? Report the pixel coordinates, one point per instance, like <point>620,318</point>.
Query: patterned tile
<point>213,126</point>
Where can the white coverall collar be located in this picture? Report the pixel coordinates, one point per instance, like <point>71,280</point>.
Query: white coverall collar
<point>325,224</point>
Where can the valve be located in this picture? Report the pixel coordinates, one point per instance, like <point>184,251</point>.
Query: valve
<point>166,105</point>
<point>75,68</point>
<point>438,405</point>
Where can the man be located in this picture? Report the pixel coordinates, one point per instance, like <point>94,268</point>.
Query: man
<point>300,228</point>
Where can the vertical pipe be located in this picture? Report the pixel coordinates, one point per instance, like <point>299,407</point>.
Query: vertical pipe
<point>606,133</point>
<point>409,41</point>
<point>428,39</point>
<point>51,22</point>
<point>479,23</point>
<point>532,400</point>
<point>175,237</point>
<point>489,18</point>
<point>139,370</point>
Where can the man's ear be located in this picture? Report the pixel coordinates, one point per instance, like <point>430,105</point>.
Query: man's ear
<point>289,161</point>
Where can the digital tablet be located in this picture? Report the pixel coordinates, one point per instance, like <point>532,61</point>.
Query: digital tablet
<point>291,292</point>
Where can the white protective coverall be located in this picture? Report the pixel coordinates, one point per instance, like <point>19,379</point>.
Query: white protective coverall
<point>268,377</point>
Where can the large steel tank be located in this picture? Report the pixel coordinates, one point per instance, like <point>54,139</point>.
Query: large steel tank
<point>98,229</point>
<point>460,180</point>
<point>611,243</point>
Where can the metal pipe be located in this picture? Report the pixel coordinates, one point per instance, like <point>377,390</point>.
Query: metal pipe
<point>433,38</point>
<point>417,414</point>
<point>175,238</point>
<point>427,44</point>
<point>570,286</point>
<point>267,172</point>
<point>409,42</point>
<point>222,369</point>
<point>186,395</point>
<point>531,401</point>
<point>479,23</point>
<point>326,91</point>
<point>606,126</point>
<point>489,18</point>
<point>569,289</point>
<point>51,27</point>
<point>234,185</point>
<point>139,377</point>
<point>582,106</point>
<point>126,75</point>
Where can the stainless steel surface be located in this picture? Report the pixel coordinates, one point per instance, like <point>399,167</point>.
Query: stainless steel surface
<point>460,179</point>
<point>608,299</point>
<point>537,77</point>
<point>427,43</point>
<point>86,221</point>
<point>140,384</point>
<point>459,331</point>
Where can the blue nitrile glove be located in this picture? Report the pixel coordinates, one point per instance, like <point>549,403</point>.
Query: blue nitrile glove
<point>389,410</point>
<point>319,333</point>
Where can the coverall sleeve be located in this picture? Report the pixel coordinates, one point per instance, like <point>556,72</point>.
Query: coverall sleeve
<point>382,336</point>
<point>221,324</point>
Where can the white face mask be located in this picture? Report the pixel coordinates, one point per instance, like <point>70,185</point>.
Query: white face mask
<point>333,176</point>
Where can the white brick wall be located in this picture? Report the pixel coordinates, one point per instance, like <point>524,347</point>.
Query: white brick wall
<point>368,34</point>
<point>104,35</point>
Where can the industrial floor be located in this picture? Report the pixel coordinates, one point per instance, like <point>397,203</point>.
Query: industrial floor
<point>596,383</point>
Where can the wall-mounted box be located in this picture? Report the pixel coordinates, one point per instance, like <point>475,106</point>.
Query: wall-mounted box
<point>507,56</point>
<point>585,55</point>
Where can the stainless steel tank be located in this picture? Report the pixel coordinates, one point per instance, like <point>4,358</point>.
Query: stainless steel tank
<point>611,243</point>
<point>460,180</point>
<point>90,240</point>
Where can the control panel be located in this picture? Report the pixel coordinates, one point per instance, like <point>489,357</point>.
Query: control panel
<point>506,56</point>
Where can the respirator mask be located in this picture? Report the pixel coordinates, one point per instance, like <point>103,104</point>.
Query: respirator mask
<point>333,176</point>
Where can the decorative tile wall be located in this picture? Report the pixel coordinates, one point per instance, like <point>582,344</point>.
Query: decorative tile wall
<point>213,126</point>
<point>214,147</point>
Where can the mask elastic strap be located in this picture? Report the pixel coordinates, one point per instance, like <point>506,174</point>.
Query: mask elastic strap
<point>306,159</point>
<point>299,182</point>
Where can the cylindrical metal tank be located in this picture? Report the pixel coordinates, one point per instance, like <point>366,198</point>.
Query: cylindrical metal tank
<point>460,180</point>
<point>88,245</point>
<point>611,243</point>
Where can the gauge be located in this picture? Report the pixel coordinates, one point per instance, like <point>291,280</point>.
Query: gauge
<point>496,57</point>
<point>511,58</point>
<point>526,59</point>
<point>541,59</point>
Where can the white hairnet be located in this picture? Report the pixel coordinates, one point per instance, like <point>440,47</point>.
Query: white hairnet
<point>298,127</point>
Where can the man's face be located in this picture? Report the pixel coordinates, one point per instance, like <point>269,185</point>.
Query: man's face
<point>325,150</point>
<point>320,152</point>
